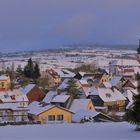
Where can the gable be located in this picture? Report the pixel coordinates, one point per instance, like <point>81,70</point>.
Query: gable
<point>129,84</point>
<point>55,110</point>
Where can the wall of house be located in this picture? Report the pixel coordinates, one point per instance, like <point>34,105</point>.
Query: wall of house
<point>97,101</point>
<point>129,84</point>
<point>43,117</point>
<point>35,95</point>
<point>5,84</point>
<point>53,81</point>
<point>91,106</point>
<point>116,105</point>
<point>8,115</point>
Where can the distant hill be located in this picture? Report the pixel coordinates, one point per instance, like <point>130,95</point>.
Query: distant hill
<point>90,46</point>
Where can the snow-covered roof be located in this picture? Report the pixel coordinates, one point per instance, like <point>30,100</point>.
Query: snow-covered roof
<point>12,96</point>
<point>81,114</point>
<point>49,96</point>
<point>134,82</point>
<point>86,90</point>
<point>36,109</point>
<point>82,73</point>
<point>21,98</point>
<point>11,92</point>
<point>134,91</point>
<point>13,106</point>
<point>4,77</point>
<point>118,95</point>
<point>108,95</point>
<point>83,82</point>
<point>87,78</point>
<point>107,84</point>
<point>130,104</point>
<point>18,98</point>
<point>28,88</point>
<point>136,70</point>
<point>115,80</point>
<point>64,84</point>
<point>129,95</point>
<point>79,104</point>
<point>60,98</point>
<point>128,74</point>
<point>93,91</point>
<point>64,73</point>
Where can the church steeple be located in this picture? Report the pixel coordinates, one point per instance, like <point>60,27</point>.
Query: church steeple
<point>138,52</point>
<point>138,49</point>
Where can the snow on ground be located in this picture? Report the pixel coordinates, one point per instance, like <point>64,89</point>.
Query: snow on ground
<point>93,131</point>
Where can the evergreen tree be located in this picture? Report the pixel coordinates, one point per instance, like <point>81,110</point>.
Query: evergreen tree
<point>19,71</point>
<point>72,89</point>
<point>36,71</point>
<point>133,114</point>
<point>32,71</point>
<point>29,69</point>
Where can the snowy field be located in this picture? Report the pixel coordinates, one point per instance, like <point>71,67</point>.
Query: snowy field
<point>94,131</point>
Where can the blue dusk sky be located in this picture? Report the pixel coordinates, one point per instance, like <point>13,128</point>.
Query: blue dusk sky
<point>42,24</point>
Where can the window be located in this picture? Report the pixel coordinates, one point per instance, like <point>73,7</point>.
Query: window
<point>90,108</point>
<point>60,117</point>
<point>51,118</point>
<point>2,84</point>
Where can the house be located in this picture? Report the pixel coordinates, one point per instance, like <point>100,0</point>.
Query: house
<point>64,85</point>
<point>107,97</point>
<point>53,78</point>
<point>52,114</point>
<point>82,104</point>
<point>49,96</point>
<point>130,84</point>
<point>129,73</point>
<point>62,100</point>
<point>87,116</point>
<point>5,82</point>
<point>117,66</point>
<point>33,92</point>
<point>12,113</point>
<point>84,82</point>
<point>97,77</point>
<point>105,85</point>
<point>14,96</point>
<point>117,82</point>
<point>129,94</point>
<point>80,75</point>
<point>100,78</point>
<point>64,73</point>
